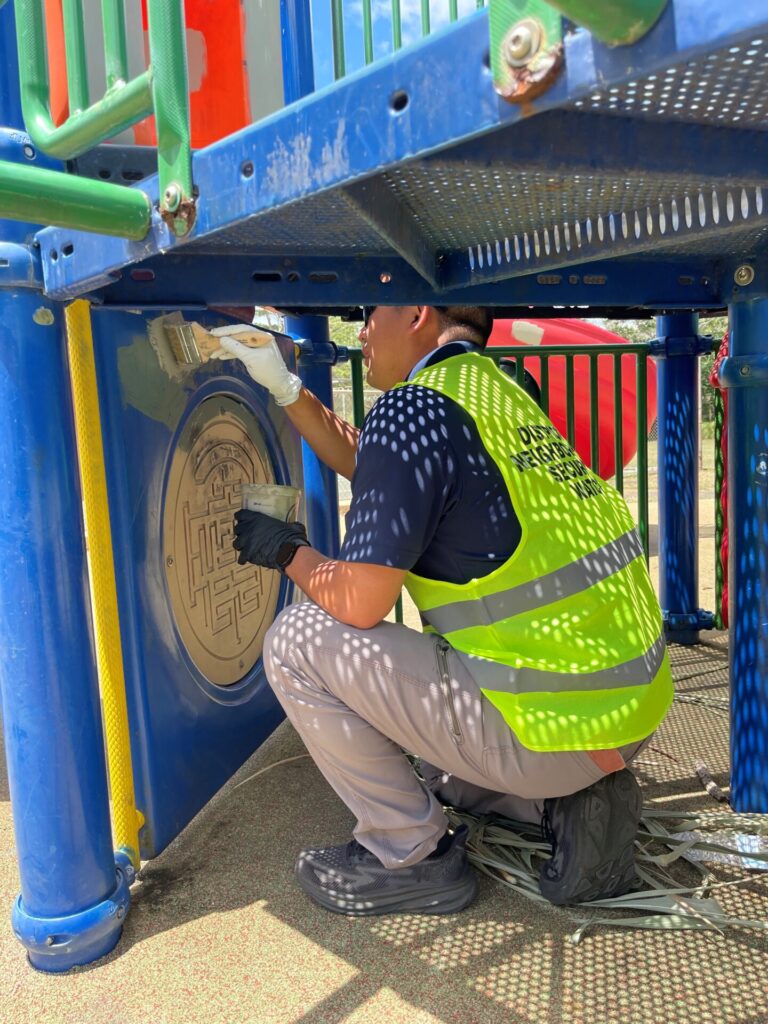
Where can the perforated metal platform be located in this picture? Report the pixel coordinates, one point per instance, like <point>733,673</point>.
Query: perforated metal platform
<point>654,152</point>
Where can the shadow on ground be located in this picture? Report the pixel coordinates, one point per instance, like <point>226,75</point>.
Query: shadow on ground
<point>219,932</point>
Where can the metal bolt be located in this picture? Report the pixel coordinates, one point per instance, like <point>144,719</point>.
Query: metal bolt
<point>169,561</point>
<point>745,274</point>
<point>385,278</point>
<point>172,197</point>
<point>49,940</point>
<point>520,43</point>
<point>120,913</point>
<point>28,151</point>
<point>745,371</point>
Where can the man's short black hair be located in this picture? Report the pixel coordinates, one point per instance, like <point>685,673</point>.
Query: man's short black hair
<point>467,323</point>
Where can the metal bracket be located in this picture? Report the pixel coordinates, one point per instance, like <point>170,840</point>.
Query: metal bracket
<point>320,353</point>
<point>749,371</point>
<point>665,346</point>
<point>687,621</point>
<point>526,48</point>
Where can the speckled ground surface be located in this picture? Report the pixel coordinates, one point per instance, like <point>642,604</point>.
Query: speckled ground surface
<point>218,934</point>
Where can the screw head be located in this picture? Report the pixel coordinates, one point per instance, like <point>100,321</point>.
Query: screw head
<point>385,277</point>
<point>172,197</point>
<point>744,275</point>
<point>169,561</point>
<point>745,371</point>
<point>522,42</point>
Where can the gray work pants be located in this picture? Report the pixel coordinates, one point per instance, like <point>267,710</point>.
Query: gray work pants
<point>359,697</point>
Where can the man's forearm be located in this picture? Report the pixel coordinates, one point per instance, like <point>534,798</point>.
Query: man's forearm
<point>353,592</point>
<point>331,438</point>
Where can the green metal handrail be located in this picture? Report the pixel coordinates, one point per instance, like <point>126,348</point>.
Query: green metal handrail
<point>27,193</point>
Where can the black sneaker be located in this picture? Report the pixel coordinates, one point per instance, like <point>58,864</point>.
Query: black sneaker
<point>593,841</point>
<point>350,880</point>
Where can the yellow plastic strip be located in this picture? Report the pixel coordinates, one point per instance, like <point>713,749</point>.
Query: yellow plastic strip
<point>126,820</point>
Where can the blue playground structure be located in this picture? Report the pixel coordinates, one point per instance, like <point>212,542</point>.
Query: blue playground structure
<point>601,159</point>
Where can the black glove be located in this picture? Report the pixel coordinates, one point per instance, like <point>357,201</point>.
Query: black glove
<point>267,541</point>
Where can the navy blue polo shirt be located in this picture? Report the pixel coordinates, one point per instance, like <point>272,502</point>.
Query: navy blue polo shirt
<point>426,495</point>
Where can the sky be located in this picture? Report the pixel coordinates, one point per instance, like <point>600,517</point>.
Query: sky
<point>381,11</point>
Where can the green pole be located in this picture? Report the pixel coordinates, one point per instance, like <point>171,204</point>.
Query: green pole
<point>425,24</point>
<point>642,449</point>
<point>397,28</point>
<point>616,22</point>
<point>167,46</point>
<point>594,417</point>
<point>453,9</point>
<point>50,197</point>
<point>358,403</point>
<point>337,27</point>
<point>74,46</point>
<point>115,45</point>
<point>367,31</point>
<point>618,424</point>
<point>118,110</point>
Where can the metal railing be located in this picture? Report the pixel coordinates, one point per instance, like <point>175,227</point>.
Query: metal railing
<point>57,198</point>
<point>340,17</point>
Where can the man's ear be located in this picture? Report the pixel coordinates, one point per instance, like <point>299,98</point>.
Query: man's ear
<point>420,316</point>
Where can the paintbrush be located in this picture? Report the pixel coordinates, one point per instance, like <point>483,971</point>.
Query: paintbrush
<point>192,344</point>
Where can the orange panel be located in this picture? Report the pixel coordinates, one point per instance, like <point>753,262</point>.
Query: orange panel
<point>218,75</point>
<point>57,61</point>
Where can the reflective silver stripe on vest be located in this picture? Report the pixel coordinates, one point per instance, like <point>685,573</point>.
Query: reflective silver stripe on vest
<point>554,586</point>
<point>492,675</point>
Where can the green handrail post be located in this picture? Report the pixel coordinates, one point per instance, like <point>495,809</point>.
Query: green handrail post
<point>118,110</point>
<point>367,31</point>
<point>570,403</point>
<point>425,24</point>
<point>594,417</point>
<point>171,102</point>
<point>397,28</point>
<point>453,9</point>
<point>544,384</point>
<point>163,89</point>
<point>337,30</point>
<point>642,449</point>
<point>50,197</point>
<point>618,424</point>
<point>77,65</point>
<point>358,404</point>
<point>115,45</point>
<point>616,22</point>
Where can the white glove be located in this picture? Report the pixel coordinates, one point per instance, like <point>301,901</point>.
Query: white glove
<point>265,364</point>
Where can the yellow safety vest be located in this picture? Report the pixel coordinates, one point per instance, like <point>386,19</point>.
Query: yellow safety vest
<point>566,637</point>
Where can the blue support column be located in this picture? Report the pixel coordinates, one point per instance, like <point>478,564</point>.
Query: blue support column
<point>298,63</point>
<point>677,350</point>
<point>318,354</point>
<point>745,374</point>
<point>73,898</point>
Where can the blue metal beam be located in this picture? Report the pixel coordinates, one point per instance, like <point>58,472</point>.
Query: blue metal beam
<point>577,142</point>
<point>420,100</point>
<point>395,224</point>
<point>324,282</point>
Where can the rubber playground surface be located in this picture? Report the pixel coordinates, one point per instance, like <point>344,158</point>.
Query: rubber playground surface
<point>219,934</point>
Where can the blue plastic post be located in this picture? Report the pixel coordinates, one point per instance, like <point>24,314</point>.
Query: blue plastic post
<point>320,485</point>
<point>73,898</point>
<point>745,374</point>
<point>677,352</point>
<point>10,95</point>
<point>298,64</point>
